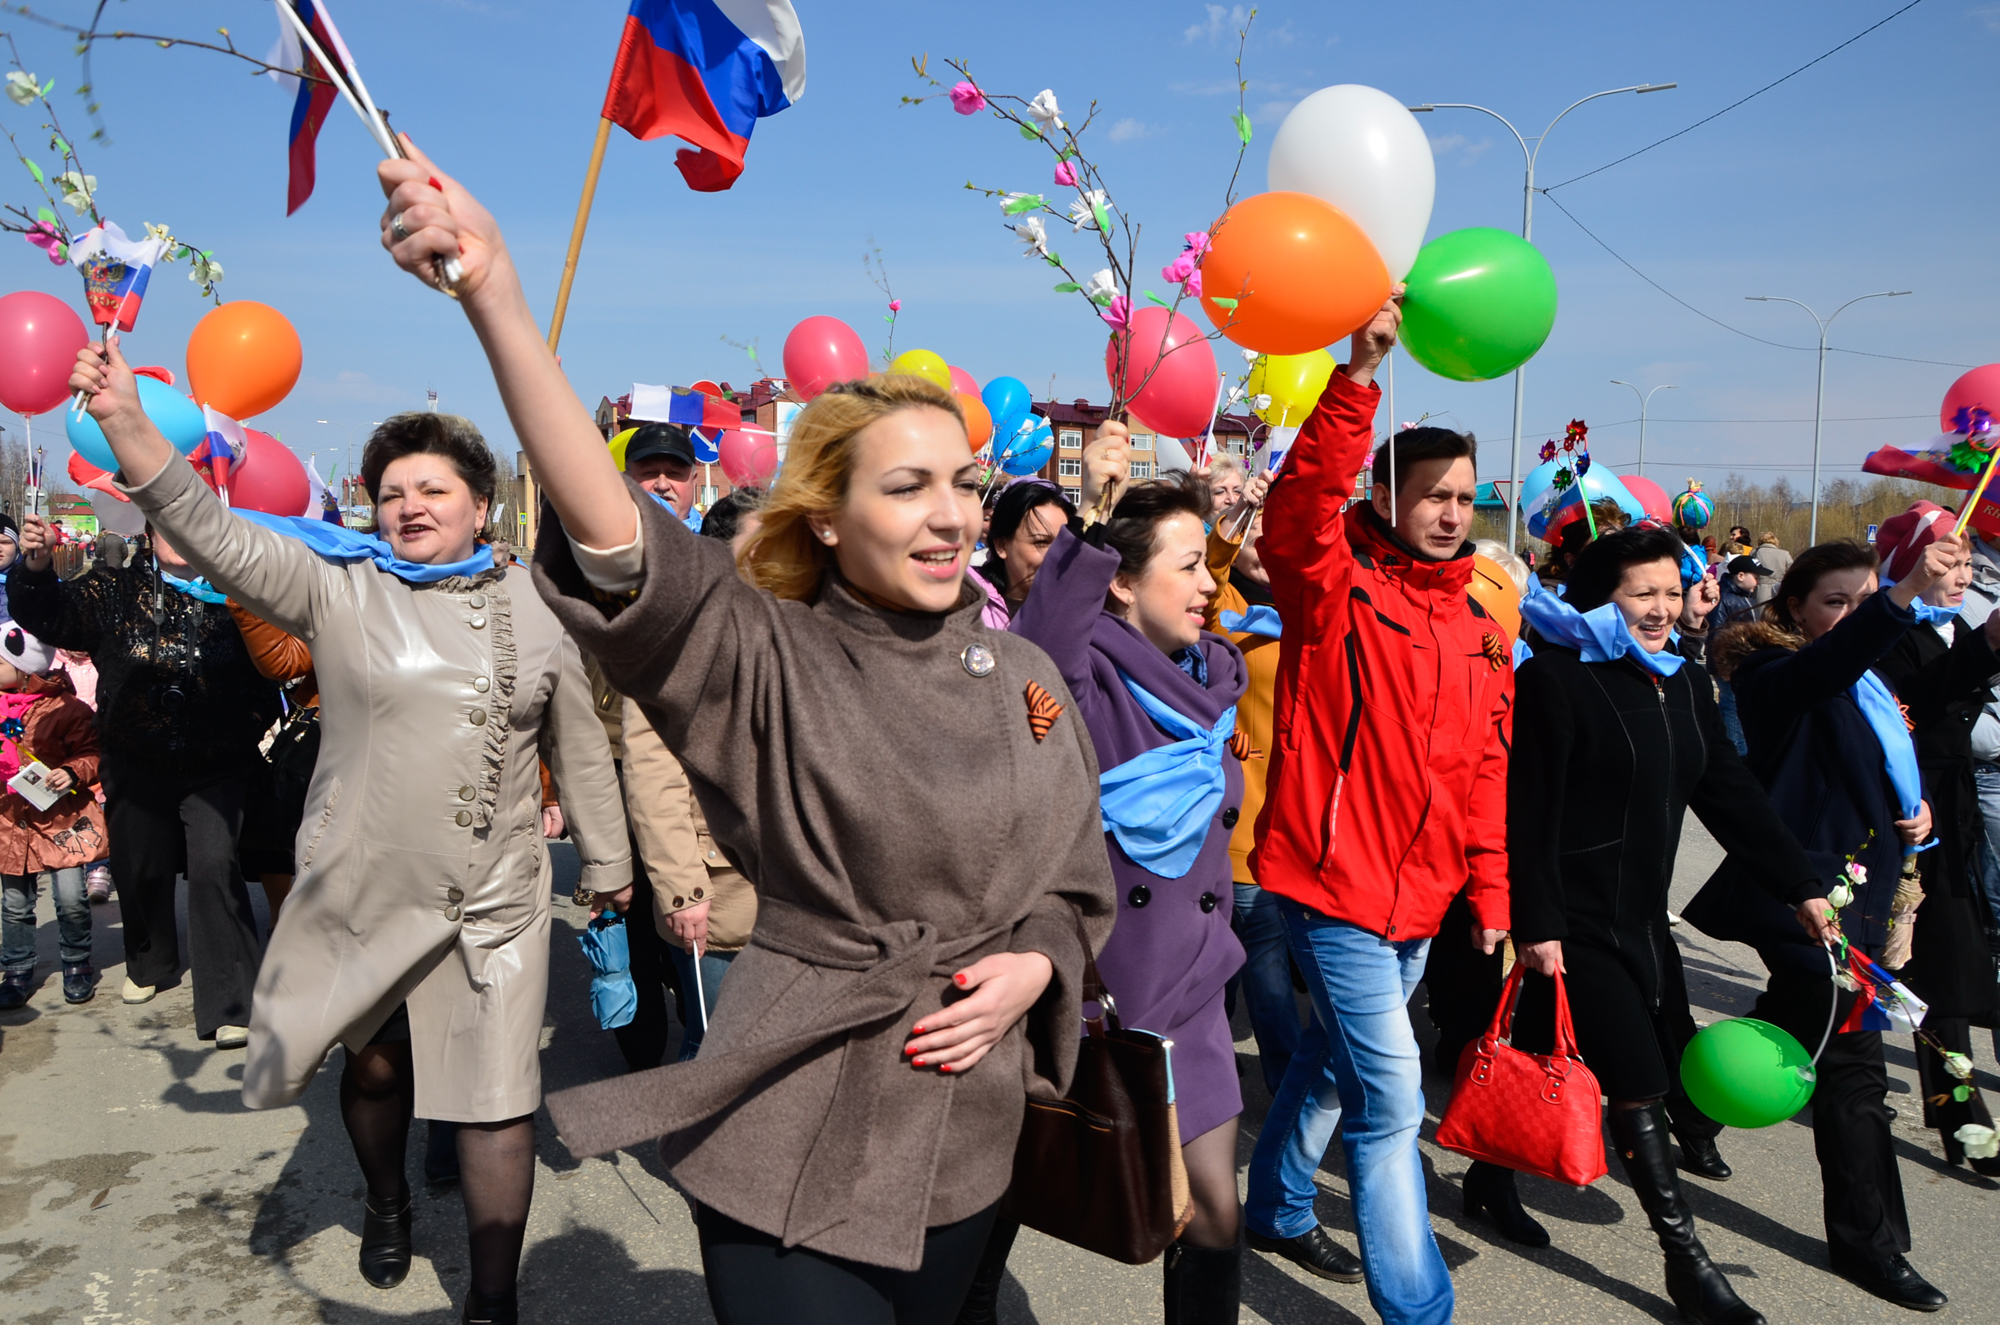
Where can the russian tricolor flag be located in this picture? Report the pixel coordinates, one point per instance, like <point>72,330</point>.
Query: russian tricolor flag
<point>223,446</point>
<point>683,406</point>
<point>115,273</point>
<point>315,97</point>
<point>705,71</point>
<point>1886,1003</point>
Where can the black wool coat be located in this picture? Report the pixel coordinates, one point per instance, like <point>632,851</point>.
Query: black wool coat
<point>1607,760</point>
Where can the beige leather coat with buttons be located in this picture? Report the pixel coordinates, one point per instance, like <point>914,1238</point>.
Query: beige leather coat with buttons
<point>422,873</point>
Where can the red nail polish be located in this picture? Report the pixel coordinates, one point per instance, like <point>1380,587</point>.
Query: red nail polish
<point>944,1067</point>
<point>916,1030</point>
<point>917,1062</point>
<point>432,181</point>
<point>959,980</point>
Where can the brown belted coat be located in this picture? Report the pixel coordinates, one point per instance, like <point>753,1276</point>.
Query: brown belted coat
<point>422,873</point>
<point>882,784</point>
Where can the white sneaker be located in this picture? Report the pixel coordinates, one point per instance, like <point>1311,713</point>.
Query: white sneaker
<point>231,1037</point>
<point>137,993</point>
<point>97,884</point>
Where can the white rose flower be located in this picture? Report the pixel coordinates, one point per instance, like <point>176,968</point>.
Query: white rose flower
<point>1030,231</point>
<point>22,89</point>
<point>1857,873</point>
<point>1103,287</point>
<point>1044,111</point>
<point>1959,1066</point>
<point>1979,1142</point>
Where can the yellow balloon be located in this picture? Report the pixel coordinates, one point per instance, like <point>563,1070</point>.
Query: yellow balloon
<point>618,445</point>
<point>923,363</point>
<point>1293,382</point>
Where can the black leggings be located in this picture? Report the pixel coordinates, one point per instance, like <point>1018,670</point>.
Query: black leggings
<point>753,1280</point>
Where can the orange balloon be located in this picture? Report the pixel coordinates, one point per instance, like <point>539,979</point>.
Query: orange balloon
<point>243,358</point>
<point>978,420</point>
<point>1303,275</point>
<point>1493,589</point>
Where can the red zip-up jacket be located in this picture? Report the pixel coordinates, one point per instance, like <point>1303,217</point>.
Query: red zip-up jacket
<point>1388,777</point>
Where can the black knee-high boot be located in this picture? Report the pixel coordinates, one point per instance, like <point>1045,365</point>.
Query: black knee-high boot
<point>1204,1284</point>
<point>1693,1282</point>
<point>1490,1187</point>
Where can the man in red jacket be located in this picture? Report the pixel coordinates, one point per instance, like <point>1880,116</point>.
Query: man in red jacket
<point>1388,796</point>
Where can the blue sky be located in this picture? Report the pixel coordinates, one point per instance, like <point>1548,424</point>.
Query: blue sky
<point>1865,173</point>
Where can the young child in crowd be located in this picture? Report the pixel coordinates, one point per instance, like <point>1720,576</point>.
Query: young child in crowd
<point>43,722</point>
<point>82,674</point>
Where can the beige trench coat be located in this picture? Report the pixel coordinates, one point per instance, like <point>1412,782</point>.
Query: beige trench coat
<point>422,873</point>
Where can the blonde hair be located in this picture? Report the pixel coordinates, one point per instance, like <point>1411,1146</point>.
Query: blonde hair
<point>784,556</point>
<point>1496,552</point>
<point>1224,464</point>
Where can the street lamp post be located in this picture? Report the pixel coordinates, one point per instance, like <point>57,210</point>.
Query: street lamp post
<point>1644,401</point>
<point>1819,392</point>
<point>1528,233</point>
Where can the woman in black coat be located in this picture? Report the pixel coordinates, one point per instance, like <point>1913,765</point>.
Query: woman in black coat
<point>1614,740</point>
<point>1942,671</point>
<point>1795,675</point>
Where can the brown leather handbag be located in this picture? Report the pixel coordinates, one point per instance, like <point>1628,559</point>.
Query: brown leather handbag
<point>1101,1168</point>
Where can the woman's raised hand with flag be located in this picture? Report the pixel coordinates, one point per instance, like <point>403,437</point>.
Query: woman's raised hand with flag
<point>102,373</point>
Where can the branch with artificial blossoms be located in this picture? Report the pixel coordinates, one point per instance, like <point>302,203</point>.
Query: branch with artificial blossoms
<point>1110,291</point>
<point>877,268</point>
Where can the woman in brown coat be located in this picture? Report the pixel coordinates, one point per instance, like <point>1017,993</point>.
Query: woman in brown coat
<point>846,719</point>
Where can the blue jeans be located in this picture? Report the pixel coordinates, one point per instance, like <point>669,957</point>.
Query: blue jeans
<point>1358,1061</point>
<point>18,894</point>
<point>714,965</point>
<point>1266,981</point>
<point>1987,778</point>
<point>1725,699</point>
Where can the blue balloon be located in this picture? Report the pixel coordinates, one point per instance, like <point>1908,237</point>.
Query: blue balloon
<point>178,419</point>
<point>1598,483</point>
<point>1008,401</point>
<point>1028,448</point>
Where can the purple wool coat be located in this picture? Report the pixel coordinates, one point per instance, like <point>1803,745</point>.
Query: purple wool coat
<point>1172,949</point>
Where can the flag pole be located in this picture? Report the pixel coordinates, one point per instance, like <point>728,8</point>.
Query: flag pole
<point>576,231</point>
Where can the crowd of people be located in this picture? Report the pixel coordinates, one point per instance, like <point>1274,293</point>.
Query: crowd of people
<point>871,766</point>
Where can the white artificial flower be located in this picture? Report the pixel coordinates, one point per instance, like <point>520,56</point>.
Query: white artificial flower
<point>1979,1142</point>
<point>1251,356</point>
<point>1030,231</point>
<point>1260,403</point>
<point>1959,1066</point>
<point>169,247</point>
<point>1103,287</point>
<point>78,189</point>
<point>1044,111</point>
<point>1840,896</point>
<point>1081,213</point>
<point>22,89</point>
<point>1847,981</point>
<point>1858,873</point>
<point>207,271</point>
<point>1007,200</point>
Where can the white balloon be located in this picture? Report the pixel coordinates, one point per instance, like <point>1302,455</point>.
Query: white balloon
<point>1359,149</point>
<point>119,517</point>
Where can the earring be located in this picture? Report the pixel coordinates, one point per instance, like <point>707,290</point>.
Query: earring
<point>826,534</point>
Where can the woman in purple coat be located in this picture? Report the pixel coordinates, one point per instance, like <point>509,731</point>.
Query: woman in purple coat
<point>1119,609</point>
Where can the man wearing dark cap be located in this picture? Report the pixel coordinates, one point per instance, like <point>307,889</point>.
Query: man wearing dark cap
<point>660,459</point>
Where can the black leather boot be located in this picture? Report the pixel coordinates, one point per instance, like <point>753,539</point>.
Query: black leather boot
<point>481,1310</point>
<point>385,1242</point>
<point>1700,1157</point>
<point>1204,1284</point>
<point>1490,1188</point>
<point>1693,1282</point>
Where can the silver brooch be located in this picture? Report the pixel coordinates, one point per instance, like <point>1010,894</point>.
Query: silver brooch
<point>978,660</point>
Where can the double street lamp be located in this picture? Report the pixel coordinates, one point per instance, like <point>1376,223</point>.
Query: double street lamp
<point>1819,394</point>
<point>1527,232</point>
<point>1644,401</point>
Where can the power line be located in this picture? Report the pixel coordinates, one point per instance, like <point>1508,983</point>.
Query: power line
<point>1832,349</point>
<point>1734,104</point>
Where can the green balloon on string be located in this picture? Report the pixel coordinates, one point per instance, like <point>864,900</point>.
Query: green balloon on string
<point>1479,304</point>
<point>1747,1073</point>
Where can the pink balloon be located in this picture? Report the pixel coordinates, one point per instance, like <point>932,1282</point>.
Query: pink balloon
<point>1650,495</point>
<point>269,478</point>
<point>821,351</point>
<point>1979,388</point>
<point>1179,397</point>
<point>749,459</point>
<point>40,336</point>
<point>964,381</point>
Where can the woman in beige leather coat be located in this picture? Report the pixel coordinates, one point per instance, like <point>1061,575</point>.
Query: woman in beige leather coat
<point>417,933</point>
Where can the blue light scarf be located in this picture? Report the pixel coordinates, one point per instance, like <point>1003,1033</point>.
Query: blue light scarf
<point>1600,634</point>
<point>339,543</point>
<point>1158,805</point>
<point>196,588</point>
<point>1259,620</point>
<point>614,999</point>
<point>1879,705</point>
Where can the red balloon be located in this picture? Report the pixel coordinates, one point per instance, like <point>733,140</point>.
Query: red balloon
<point>821,351</point>
<point>1978,389</point>
<point>269,478</point>
<point>1650,495</point>
<point>1179,397</point>
<point>964,381</point>
<point>749,459</point>
<point>40,337</point>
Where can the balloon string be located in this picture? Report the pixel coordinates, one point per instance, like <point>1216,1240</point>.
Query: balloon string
<point>1833,971</point>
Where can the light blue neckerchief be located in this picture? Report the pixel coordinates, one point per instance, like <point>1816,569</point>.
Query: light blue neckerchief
<point>1259,620</point>
<point>1884,713</point>
<point>1159,804</point>
<point>692,519</point>
<point>196,588</point>
<point>1600,634</point>
<point>1521,653</point>
<point>339,543</point>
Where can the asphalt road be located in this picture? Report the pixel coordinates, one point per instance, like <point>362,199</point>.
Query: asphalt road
<point>134,1188</point>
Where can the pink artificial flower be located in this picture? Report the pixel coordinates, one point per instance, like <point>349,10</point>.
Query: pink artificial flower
<point>1119,314</point>
<point>1192,285</point>
<point>1196,243</point>
<point>1179,269</point>
<point>895,305</point>
<point>967,99</point>
<point>45,237</point>
<point>1066,174</point>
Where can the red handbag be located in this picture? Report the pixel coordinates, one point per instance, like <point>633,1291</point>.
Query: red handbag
<point>1534,1113</point>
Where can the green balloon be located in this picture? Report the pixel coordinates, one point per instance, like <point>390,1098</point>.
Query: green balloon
<point>1747,1073</point>
<point>1480,302</point>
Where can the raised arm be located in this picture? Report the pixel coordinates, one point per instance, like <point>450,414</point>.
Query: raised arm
<point>1063,606</point>
<point>1830,664</point>
<point>571,464</point>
